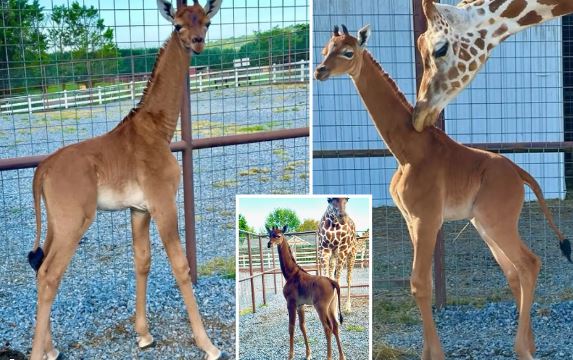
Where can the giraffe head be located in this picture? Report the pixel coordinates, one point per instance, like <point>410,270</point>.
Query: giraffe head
<point>454,47</point>
<point>337,207</point>
<point>276,235</point>
<point>342,53</point>
<point>191,22</point>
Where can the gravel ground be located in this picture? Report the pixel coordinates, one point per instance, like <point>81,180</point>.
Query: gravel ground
<point>480,320</point>
<point>488,332</point>
<point>93,314</point>
<point>264,335</point>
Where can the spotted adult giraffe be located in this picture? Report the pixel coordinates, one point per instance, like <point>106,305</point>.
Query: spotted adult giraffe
<point>337,236</point>
<point>459,41</point>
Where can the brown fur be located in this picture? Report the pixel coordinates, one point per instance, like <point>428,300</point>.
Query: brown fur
<point>302,288</point>
<point>129,167</point>
<point>439,179</point>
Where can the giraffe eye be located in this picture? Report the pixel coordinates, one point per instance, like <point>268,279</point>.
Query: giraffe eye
<point>348,54</point>
<point>442,51</point>
<point>178,27</point>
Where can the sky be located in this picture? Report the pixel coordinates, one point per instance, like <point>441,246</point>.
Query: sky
<point>137,23</point>
<point>256,209</point>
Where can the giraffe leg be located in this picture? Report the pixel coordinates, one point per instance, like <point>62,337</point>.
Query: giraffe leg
<point>333,266</point>
<point>300,312</point>
<point>350,266</point>
<point>340,259</point>
<point>291,306</point>
<point>142,258</point>
<point>325,255</point>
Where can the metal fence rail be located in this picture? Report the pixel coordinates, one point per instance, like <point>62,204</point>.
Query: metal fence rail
<point>259,266</point>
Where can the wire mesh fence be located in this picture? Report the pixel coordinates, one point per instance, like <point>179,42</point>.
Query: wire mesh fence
<point>260,272</point>
<point>251,79</point>
<point>518,105</point>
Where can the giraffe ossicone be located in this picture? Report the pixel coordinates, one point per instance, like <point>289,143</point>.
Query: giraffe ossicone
<point>459,40</point>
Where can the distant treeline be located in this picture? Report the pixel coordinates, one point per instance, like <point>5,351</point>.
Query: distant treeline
<point>74,47</point>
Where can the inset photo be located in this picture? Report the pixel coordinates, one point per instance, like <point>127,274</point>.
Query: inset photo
<point>304,276</point>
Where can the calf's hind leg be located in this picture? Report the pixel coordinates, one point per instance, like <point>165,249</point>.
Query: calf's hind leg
<point>65,240</point>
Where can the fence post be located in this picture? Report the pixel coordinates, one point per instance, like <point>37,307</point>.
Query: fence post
<point>99,95</point>
<point>251,280</point>
<point>236,77</point>
<point>132,89</point>
<point>420,26</point>
<point>65,99</point>
<point>200,76</point>
<point>262,269</point>
<point>274,72</point>
<point>188,189</point>
<point>29,104</point>
<point>302,71</point>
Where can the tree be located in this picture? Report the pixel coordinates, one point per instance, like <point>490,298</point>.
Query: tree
<point>22,44</point>
<point>308,225</point>
<point>79,30</point>
<point>244,225</point>
<point>281,217</point>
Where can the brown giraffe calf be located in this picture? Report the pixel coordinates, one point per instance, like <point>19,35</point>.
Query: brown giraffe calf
<point>301,289</point>
<point>439,179</point>
<point>129,167</point>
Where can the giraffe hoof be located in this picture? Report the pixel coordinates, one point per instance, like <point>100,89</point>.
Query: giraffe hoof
<point>145,342</point>
<point>53,355</point>
<point>222,356</point>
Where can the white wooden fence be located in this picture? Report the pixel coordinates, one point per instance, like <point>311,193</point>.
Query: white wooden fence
<point>202,81</point>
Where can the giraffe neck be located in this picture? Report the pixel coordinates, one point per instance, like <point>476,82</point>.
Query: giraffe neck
<point>288,264</point>
<point>502,18</point>
<point>388,108</point>
<point>158,110</point>
<point>331,214</point>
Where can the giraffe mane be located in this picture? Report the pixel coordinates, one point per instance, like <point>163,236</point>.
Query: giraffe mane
<point>399,94</point>
<point>148,85</point>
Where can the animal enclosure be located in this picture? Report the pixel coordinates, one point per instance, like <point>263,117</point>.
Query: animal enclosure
<point>260,272</point>
<point>246,113</point>
<point>519,105</point>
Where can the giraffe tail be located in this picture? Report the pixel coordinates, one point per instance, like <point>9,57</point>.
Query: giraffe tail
<point>564,243</point>
<point>36,256</point>
<point>337,288</point>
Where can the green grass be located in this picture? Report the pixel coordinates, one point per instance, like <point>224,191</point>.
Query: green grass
<point>396,312</point>
<point>246,311</point>
<point>355,328</point>
<point>225,183</point>
<point>386,352</point>
<point>218,266</point>
<point>254,171</point>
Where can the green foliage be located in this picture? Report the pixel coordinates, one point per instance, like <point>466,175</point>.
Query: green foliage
<point>244,225</point>
<point>281,217</point>
<point>71,45</point>
<point>22,43</point>
<point>77,32</point>
<point>308,225</point>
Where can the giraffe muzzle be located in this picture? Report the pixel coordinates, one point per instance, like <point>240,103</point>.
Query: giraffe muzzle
<point>321,73</point>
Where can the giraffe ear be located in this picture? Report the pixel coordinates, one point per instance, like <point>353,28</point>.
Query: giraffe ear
<point>212,8</point>
<point>455,16</point>
<point>166,9</point>
<point>285,228</point>
<point>268,230</point>
<point>363,35</point>
<point>329,200</point>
